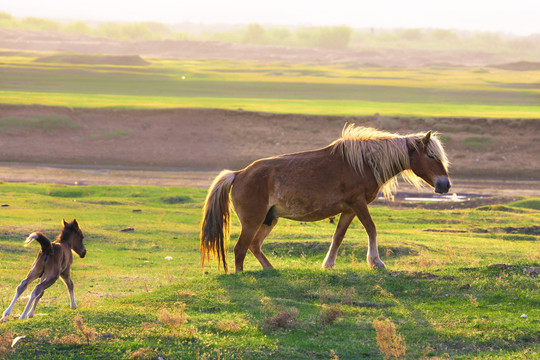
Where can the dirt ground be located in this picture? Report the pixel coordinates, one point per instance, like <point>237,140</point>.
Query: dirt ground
<point>201,140</point>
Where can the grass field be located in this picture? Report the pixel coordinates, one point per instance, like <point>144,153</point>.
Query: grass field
<point>334,89</point>
<point>438,299</point>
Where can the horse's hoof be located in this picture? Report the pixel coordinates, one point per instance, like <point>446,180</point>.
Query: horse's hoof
<point>4,319</point>
<point>377,264</point>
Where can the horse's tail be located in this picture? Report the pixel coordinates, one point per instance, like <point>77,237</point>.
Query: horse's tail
<point>46,246</point>
<point>215,227</point>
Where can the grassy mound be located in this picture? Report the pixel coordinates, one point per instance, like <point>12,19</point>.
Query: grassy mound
<point>519,66</point>
<point>130,60</point>
<point>532,203</point>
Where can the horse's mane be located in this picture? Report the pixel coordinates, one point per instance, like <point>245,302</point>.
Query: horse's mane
<point>385,153</point>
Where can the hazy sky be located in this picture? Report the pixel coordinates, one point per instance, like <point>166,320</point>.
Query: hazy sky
<point>515,16</point>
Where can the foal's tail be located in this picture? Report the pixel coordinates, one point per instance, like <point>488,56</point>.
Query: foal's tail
<point>45,243</point>
<point>215,227</point>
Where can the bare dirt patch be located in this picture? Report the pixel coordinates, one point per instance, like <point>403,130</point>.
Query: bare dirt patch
<point>212,139</point>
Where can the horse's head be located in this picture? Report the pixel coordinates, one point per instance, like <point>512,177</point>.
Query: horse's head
<point>76,236</point>
<point>428,161</point>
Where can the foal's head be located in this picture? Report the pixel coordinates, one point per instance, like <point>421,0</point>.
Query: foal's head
<point>428,161</point>
<point>75,235</point>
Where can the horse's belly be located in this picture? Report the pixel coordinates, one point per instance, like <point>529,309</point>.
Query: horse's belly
<point>296,210</point>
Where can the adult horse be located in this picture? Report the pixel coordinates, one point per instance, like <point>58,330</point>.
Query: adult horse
<point>342,178</point>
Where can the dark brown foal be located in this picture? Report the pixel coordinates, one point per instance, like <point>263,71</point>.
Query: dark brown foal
<point>53,261</point>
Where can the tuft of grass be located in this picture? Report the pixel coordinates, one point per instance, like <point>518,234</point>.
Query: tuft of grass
<point>177,199</point>
<point>117,134</point>
<point>329,314</point>
<point>391,344</point>
<point>230,325</point>
<point>477,143</point>
<point>142,353</point>
<point>173,320</point>
<point>284,319</point>
<point>70,339</point>
<point>89,333</point>
<point>47,123</point>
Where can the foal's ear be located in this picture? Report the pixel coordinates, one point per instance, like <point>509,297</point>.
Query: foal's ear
<point>426,138</point>
<point>75,223</point>
<point>64,223</point>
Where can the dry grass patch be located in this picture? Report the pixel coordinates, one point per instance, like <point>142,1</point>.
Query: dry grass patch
<point>88,332</point>
<point>285,319</point>
<point>329,314</point>
<point>230,325</point>
<point>173,320</point>
<point>6,339</point>
<point>143,354</point>
<point>391,345</point>
<point>70,339</point>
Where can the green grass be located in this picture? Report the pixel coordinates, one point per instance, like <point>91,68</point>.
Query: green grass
<point>331,89</point>
<point>439,291</point>
<point>47,123</point>
<point>478,142</point>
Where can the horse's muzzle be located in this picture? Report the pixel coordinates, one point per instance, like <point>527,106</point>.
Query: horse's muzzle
<point>83,254</point>
<point>442,185</point>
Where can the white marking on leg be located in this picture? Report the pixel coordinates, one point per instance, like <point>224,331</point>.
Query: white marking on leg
<point>18,293</point>
<point>24,315</point>
<point>73,305</point>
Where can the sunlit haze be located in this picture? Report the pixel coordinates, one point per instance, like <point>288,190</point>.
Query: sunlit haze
<point>517,17</point>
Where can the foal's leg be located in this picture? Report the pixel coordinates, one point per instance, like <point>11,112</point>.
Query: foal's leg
<point>38,293</point>
<point>256,244</point>
<point>33,275</point>
<point>362,211</point>
<point>33,308</point>
<point>66,277</point>
<point>345,220</point>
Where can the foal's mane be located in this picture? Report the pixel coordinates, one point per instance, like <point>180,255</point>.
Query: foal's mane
<point>385,153</point>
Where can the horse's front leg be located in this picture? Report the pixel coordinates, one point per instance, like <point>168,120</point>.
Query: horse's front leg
<point>345,220</point>
<point>362,211</point>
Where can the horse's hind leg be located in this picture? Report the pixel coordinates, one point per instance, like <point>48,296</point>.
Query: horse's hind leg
<point>244,241</point>
<point>33,275</point>
<point>345,220</point>
<point>37,294</point>
<point>256,244</point>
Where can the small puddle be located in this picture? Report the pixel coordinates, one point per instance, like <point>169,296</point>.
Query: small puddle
<point>413,197</point>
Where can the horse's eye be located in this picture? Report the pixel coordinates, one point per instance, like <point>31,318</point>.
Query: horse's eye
<point>431,157</point>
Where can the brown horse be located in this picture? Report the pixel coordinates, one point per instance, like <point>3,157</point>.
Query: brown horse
<point>342,178</point>
<point>53,261</point>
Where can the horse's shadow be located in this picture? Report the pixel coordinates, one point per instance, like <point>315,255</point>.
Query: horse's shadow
<point>369,295</point>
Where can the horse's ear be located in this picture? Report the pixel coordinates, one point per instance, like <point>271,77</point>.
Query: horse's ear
<point>426,138</point>
<point>75,223</point>
<point>64,223</point>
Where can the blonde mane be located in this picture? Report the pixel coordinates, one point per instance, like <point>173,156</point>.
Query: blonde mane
<point>385,153</point>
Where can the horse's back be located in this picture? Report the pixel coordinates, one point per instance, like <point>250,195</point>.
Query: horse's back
<point>303,186</point>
